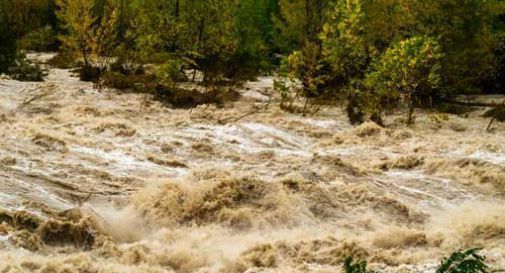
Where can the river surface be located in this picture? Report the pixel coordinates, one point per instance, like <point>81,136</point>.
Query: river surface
<point>103,181</point>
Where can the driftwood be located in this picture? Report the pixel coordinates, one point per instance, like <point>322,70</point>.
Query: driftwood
<point>80,200</point>
<point>225,121</point>
<point>29,100</point>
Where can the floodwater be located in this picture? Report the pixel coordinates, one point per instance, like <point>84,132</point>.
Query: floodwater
<point>102,181</point>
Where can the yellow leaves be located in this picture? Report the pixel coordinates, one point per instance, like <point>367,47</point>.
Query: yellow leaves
<point>90,24</point>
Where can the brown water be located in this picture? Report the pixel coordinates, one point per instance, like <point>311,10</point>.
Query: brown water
<point>99,181</point>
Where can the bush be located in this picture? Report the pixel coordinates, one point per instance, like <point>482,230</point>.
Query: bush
<point>89,73</point>
<point>188,98</point>
<point>40,40</point>
<point>24,71</point>
<point>358,267</point>
<point>62,61</point>
<point>303,74</point>
<point>143,83</point>
<point>497,113</point>
<point>468,261</point>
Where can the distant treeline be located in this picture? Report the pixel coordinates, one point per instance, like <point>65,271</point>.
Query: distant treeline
<point>376,53</point>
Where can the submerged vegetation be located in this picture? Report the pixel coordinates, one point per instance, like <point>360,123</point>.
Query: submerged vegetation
<point>468,261</point>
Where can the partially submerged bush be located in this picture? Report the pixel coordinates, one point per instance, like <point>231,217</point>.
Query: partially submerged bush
<point>455,109</point>
<point>468,261</point>
<point>302,75</point>
<point>89,73</point>
<point>62,61</point>
<point>497,113</point>
<point>143,83</point>
<point>359,267</point>
<point>26,72</point>
<point>187,98</point>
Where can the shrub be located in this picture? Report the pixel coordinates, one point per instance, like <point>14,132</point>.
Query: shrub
<point>24,71</point>
<point>468,261</point>
<point>358,267</point>
<point>42,39</point>
<point>497,113</point>
<point>62,61</point>
<point>303,74</point>
<point>143,83</point>
<point>89,73</point>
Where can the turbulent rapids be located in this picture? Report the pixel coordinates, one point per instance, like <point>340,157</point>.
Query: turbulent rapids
<point>102,181</point>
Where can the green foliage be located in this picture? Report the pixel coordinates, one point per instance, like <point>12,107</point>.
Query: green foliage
<point>497,113</point>
<point>255,32</point>
<point>410,70</point>
<point>90,27</point>
<point>62,60</point>
<point>8,44</point>
<point>40,40</point>
<point>23,19</point>
<point>468,261</point>
<point>341,48</point>
<point>21,70</point>
<point>356,33</point>
<point>346,47</point>
<point>299,22</point>
<point>200,33</point>
<point>301,75</point>
<point>358,267</point>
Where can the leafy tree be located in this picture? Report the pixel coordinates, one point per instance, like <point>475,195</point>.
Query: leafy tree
<point>356,33</point>
<point>196,34</point>
<point>409,70</point>
<point>90,27</point>
<point>300,21</point>
<point>255,33</point>
<point>8,44</point>
<point>304,70</point>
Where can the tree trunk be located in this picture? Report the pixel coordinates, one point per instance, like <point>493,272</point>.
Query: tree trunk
<point>177,7</point>
<point>490,123</point>
<point>411,112</point>
<point>307,16</point>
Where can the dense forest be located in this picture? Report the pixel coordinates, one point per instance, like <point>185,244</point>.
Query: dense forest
<point>375,55</point>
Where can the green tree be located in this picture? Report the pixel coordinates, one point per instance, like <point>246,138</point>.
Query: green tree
<point>410,70</point>
<point>196,34</point>
<point>8,44</point>
<point>90,27</point>
<point>299,22</point>
<point>255,32</point>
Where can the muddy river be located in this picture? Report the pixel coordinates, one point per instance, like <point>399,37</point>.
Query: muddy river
<point>102,181</point>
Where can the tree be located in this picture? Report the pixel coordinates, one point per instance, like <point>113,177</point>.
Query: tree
<point>410,69</point>
<point>89,26</point>
<point>8,44</point>
<point>255,32</point>
<point>299,22</point>
<point>197,34</point>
